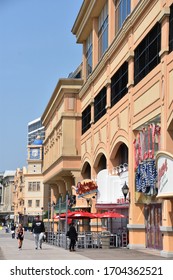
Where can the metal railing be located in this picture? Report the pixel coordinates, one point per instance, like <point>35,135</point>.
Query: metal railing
<point>88,240</point>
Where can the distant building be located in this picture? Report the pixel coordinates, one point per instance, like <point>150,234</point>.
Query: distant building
<point>35,128</point>
<point>19,194</point>
<point>6,196</point>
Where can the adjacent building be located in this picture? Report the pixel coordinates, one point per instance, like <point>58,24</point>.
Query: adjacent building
<point>6,197</point>
<point>62,122</point>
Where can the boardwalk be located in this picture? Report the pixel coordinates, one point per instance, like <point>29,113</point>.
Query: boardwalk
<point>9,251</point>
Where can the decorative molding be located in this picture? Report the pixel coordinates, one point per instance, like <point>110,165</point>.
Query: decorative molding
<point>136,246</point>
<point>166,229</point>
<point>135,226</point>
<point>165,12</point>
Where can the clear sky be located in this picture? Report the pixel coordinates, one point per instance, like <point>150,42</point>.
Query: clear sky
<point>37,48</point>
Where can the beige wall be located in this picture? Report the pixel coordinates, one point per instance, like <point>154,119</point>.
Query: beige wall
<point>150,98</point>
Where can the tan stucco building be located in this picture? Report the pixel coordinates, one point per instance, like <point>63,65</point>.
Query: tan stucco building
<point>126,106</point>
<point>115,124</point>
<point>30,196</point>
<point>62,122</point>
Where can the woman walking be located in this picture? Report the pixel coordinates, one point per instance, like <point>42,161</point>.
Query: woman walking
<point>72,234</point>
<point>20,235</point>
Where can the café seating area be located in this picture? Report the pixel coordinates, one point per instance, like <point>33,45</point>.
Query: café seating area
<point>100,240</point>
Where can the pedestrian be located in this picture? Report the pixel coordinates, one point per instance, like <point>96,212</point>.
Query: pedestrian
<point>20,236</point>
<point>38,230</point>
<point>72,234</point>
<point>13,227</point>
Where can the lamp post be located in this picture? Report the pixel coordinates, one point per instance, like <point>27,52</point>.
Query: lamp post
<point>42,212</point>
<point>125,190</point>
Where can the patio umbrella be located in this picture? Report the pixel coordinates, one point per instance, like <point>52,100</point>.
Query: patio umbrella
<point>109,215</point>
<point>81,215</point>
<point>62,215</point>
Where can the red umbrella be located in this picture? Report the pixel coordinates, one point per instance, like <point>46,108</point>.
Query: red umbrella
<point>62,215</point>
<point>109,215</point>
<point>76,215</point>
<point>81,215</point>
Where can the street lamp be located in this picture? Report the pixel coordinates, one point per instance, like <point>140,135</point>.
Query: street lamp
<point>125,190</point>
<point>42,208</point>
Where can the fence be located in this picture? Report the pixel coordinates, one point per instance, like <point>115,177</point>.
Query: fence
<point>88,240</point>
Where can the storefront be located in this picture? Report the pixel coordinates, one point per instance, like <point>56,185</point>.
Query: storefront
<point>146,145</point>
<point>110,198</point>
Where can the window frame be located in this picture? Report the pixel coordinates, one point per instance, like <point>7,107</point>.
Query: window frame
<point>89,53</point>
<point>171,29</point>
<point>100,104</point>
<point>122,11</point>
<point>144,61</point>
<point>29,203</point>
<point>34,186</point>
<point>119,83</point>
<point>86,119</point>
<point>103,31</point>
<point>37,205</point>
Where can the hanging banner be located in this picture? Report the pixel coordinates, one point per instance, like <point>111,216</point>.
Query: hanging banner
<point>164,162</point>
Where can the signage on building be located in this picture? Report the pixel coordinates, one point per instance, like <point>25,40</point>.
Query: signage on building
<point>165,174</point>
<point>86,186</point>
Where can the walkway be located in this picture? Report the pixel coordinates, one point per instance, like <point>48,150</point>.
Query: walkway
<point>9,251</point>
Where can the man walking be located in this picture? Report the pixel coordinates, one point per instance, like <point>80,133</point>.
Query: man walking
<point>38,230</point>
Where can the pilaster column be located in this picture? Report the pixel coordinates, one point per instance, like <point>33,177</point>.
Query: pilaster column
<point>95,42</point>
<point>111,21</point>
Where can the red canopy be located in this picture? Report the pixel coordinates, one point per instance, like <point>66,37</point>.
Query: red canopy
<point>77,215</point>
<point>81,215</point>
<point>109,215</point>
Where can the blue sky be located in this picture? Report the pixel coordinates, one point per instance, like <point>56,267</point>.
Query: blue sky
<point>37,48</point>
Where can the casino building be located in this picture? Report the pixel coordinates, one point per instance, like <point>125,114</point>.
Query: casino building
<point>113,124</point>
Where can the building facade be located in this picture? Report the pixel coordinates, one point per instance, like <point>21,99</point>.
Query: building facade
<point>62,122</point>
<point>30,197</point>
<point>6,197</point>
<point>35,195</point>
<point>127,109</point>
<point>19,196</point>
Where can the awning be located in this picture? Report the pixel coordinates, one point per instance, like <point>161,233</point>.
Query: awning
<point>105,206</point>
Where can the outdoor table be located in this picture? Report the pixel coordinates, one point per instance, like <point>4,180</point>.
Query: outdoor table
<point>81,243</point>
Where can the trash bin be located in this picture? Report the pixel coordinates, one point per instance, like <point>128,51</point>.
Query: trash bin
<point>105,239</point>
<point>105,242</point>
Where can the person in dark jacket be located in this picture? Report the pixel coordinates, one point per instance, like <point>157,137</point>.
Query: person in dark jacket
<point>13,227</point>
<point>72,234</point>
<point>38,230</point>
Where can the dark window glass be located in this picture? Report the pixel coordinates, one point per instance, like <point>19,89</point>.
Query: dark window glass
<point>86,119</point>
<point>100,105</point>
<point>147,53</point>
<point>119,84</point>
<point>171,29</point>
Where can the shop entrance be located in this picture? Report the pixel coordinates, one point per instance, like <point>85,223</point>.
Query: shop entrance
<point>153,221</point>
